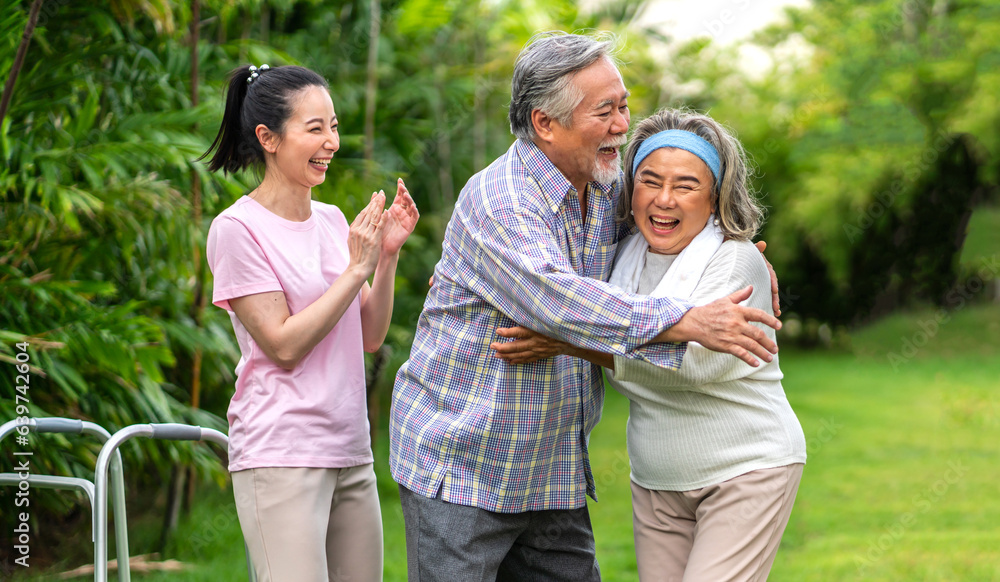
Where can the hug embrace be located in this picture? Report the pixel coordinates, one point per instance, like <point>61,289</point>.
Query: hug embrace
<point>559,268</point>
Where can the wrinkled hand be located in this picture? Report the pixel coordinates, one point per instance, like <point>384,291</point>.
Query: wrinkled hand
<point>402,218</point>
<point>364,239</point>
<point>775,304</point>
<point>724,326</point>
<point>528,346</point>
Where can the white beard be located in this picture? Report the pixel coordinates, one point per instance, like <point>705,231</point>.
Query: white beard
<point>607,173</point>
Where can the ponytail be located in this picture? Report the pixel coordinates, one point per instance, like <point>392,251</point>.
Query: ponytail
<point>264,102</point>
<point>229,156</point>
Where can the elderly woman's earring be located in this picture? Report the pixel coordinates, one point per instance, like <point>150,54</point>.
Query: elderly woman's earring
<point>716,221</point>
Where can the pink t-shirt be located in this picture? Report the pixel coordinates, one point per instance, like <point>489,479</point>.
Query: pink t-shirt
<point>316,414</point>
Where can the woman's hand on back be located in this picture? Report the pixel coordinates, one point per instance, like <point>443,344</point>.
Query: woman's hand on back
<point>364,240</point>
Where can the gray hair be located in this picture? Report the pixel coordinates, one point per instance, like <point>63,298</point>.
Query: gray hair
<point>740,214</point>
<point>543,77</point>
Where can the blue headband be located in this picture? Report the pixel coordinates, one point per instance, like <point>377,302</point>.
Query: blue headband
<point>685,140</point>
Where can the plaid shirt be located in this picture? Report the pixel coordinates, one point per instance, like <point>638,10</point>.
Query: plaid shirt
<point>474,430</point>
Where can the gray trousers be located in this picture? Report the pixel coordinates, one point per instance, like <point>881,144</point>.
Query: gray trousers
<point>446,542</point>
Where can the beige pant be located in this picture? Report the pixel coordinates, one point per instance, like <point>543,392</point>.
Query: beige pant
<point>720,533</point>
<point>311,525</point>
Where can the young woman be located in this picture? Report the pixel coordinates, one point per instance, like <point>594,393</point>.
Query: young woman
<point>716,451</point>
<point>293,276</point>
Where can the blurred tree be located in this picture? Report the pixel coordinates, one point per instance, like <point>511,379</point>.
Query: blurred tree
<point>96,237</point>
<point>873,139</point>
<point>104,212</point>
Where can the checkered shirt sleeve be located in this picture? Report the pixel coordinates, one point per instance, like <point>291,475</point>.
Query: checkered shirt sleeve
<point>475,430</point>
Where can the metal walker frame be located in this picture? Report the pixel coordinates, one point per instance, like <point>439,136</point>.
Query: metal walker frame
<point>94,494</point>
<point>166,431</point>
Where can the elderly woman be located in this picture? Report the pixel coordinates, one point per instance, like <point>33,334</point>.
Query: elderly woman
<point>716,451</point>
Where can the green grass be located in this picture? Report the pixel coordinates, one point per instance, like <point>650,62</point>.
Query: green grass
<point>901,482</point>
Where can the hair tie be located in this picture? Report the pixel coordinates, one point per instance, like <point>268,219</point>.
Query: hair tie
<point>685,140</point>
<point>253,73</point>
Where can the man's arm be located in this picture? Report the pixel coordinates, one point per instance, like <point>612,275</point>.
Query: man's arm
<point>724,326</point>
<point>710,325</point>
<point>526,277</point>
<point>530,346</point>
<point>701,324</point>
<point>520,269</point>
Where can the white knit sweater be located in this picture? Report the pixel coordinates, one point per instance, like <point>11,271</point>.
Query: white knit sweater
<point>716,417</point>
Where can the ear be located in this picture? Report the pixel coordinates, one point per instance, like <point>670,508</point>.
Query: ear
<point>543,125</point>
<point>268,139</point>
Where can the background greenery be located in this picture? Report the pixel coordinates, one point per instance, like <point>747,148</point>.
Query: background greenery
<point>876,136</point>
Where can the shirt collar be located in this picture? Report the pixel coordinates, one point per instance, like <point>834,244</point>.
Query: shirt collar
<point>551,181</point>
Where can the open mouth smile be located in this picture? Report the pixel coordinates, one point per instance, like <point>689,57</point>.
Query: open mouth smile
<point>664,224</point>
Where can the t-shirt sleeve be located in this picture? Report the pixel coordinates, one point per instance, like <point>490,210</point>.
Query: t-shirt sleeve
<point>239,265</point>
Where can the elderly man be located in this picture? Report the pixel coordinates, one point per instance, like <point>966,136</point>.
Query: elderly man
<point>491,458</point>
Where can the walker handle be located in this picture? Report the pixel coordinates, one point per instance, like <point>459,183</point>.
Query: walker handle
<point>176,432</point>
<point>63,425</point>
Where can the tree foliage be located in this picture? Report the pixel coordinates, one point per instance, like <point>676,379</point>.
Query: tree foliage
<point>101,239</point>
<point>874,131</point>
<point>874,142</point>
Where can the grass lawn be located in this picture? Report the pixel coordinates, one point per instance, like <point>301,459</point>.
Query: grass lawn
<point>904,458</point>
<point>901,482</point>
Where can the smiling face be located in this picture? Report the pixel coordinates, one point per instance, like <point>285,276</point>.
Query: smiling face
<point>671,199</point>
<point>589,150</point>
<point>309,141</point>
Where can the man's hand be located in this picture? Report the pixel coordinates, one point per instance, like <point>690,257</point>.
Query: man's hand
<point>724,326</point>
<point>775,304</point>
<point>528,346</point>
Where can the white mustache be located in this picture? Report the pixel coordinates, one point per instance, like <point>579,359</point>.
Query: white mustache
<point>617,143</point>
